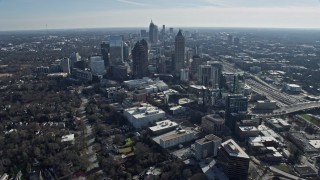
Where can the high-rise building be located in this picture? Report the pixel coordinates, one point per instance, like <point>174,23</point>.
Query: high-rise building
<point>204,75</point>
<point>235,104</point>
<point>153,33</point>
<point>116,50</point>
<point>105,49</point>
<point>97,65</point>
<point>184,75</point>
<point>216,74</point>
<point>233,160</point>
<point>140,59</point>
<point>65,65</point>
<point>236,41</point>
<point>207,146</point>
<point>143,33</point>
<point>171,30</point>
<point>74,57</point>
<point>179,52</point>
<point>126,50</point>
<point>196,62</point>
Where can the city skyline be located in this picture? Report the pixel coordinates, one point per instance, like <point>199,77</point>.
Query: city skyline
<point>36,14</point>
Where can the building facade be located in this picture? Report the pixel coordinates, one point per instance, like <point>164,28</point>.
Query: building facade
<point>179,53</point>
<point>116,50</point>
<point>207,146</point>
<point>140,59</point>
<point>97,65</point>
<point>153,33</point>
<point>213,123</point>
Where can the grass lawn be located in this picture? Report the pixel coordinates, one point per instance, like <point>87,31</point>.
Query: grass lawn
<point>125,150</point>
<point>310,119</point>
<point>284,168</point>
<point>129,142</point>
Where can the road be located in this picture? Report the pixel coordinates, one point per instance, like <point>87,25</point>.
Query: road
<point>92,158</point>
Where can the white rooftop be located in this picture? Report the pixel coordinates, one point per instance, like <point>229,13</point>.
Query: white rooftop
<point>315,143</point>
<point>163,125</point>
<point>67,138</point>
<point>233,149</point>
<point>248,128</point>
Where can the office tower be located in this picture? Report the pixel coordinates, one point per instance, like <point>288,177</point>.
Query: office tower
<point>105,49</point>
<point>196,62</point>
<point>153,33</point>
<point>207,146</point>
<point>116,50</point>
<point>65,65</point>
<point>235,104</point>
<point>97,65</point>
<point>140,59</point>
<point>143,33</point>
<point>216,75</point>
<point>213,123</point>
<point>119,72</point>
<point>233,160</point>
<point>204,75</point>
<point>179,48</point>
<point>74,57</point>
<point>230,39</point>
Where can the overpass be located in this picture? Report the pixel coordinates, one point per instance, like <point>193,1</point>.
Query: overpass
<point>292,109</point>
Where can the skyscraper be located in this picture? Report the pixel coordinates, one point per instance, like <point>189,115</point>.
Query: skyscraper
<point>204,75</point>
<point>140,59</point>
<point>179,48</point>
<point>153,33</point>
<point>116,50</point>
<point>216,75</point>
<point>105,49</point>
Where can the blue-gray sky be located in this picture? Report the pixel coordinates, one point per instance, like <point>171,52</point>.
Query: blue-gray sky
<point>60,14</point>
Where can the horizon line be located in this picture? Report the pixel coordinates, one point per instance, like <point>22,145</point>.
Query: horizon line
<point>186,27</point>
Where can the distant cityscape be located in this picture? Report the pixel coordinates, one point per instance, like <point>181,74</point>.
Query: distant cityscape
<point>160,103</point>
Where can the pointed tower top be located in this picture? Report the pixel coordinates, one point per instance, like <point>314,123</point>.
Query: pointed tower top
<point>179,33</point>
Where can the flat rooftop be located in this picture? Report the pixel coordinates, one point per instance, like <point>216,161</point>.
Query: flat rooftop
<point>248,128</point>
<point>208,138</point>
<point>315,143</point>
<point>233,149</point>
<point>175,135</point>
<point>163,125</point>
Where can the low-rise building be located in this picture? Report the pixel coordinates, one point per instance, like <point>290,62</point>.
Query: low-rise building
<point>266,105</point>
<point>179,137</point>
<point>207,146</point>
<point>144,115</point>
<point>244,132</point>
<point>163,126</point>
<point>213,123</point>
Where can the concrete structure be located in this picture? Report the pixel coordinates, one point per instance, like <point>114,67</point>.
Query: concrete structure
<point>83,75</point>
<point>140,59</point>
<point>179,52</point>
<point>163,127</point>
<point>244,132</point>
<point>177,110</point>
<point>144,115</point>
<point>266,105</point>
<point>294,88</point>
<point>234,161</point>
<point>153,33</point>
<point>116,50</point>
<point>207,146</point>
<point>147,83</point>
<point>97,65</point>
<point>179,137</point>
<point>216,74</point>
<point>213,123</point>
<point>184,75</point>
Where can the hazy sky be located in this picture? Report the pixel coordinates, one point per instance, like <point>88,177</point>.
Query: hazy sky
<point>35,14</point>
